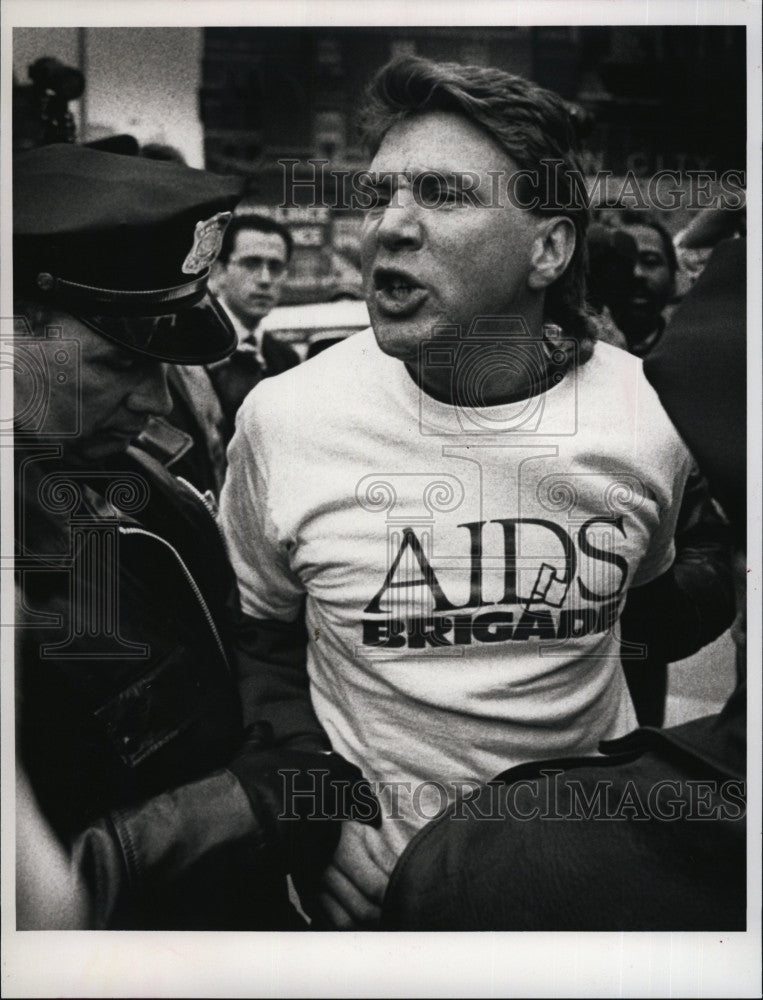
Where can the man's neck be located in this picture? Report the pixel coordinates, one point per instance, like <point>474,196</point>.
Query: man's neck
<point>481,377</point>
<point>642,345</point>
<point>245,326</point>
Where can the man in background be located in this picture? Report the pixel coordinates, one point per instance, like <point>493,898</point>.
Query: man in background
<point>639,313</point>
<point>249,279</point>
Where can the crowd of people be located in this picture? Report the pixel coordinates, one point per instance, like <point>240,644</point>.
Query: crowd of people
<point>344,644</point>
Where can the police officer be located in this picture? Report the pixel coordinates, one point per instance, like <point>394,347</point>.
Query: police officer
<point>129,723</point>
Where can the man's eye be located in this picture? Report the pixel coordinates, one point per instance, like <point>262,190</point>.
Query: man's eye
<point>121,367</point>
<point>382,195</point>
<point>436,193</point>
<point>121,364</point>
<point>453,196</point>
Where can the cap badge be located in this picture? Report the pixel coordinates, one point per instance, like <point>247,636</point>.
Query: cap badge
<point>207,240</point>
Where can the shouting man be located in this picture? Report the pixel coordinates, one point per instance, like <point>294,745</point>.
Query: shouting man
<point>460,498</point>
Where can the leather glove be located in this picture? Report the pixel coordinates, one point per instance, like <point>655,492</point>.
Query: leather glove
<point>300,799</point>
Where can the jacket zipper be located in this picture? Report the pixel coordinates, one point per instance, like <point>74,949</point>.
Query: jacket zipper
<point>209,504</point>
<point>192,583</point>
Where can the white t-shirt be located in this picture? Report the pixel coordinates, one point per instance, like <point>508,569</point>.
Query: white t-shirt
<point>464,568</point>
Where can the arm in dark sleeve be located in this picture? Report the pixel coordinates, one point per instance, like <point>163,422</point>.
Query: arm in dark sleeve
<point>212,854</point>
<point>693,602</point>
<point>126,866</point>
<point>270,638</point>
<point>272,669</point>
<point>182,850</point>
<point>699,372</point>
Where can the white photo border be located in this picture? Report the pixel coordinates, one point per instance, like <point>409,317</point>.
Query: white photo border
<point>96,964</point>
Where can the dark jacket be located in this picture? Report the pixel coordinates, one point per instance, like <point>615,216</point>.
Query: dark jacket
<point>702,347</point>
<point>236,376</point>
<point>699,371</point>
<point>129,706</point>
<point>204,408</point>
<point>650,837</point>
<point>689,607</point>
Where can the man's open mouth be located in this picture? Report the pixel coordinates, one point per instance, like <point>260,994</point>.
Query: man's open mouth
<point>397,293</point>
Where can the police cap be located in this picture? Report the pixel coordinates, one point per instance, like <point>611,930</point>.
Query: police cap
<point>124,244</point>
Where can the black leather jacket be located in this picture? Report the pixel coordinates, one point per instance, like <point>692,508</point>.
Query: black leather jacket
<point>682,611</point>
<point>128,707</point>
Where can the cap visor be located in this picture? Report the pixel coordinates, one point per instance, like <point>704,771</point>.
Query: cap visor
<point>195,335</point>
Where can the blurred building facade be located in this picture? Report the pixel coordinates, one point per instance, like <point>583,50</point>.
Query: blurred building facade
<point>661,97</point>
<point>650,99</point>
<point>239,99</point>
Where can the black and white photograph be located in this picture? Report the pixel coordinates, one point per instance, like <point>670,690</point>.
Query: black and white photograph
<point>380,449</point>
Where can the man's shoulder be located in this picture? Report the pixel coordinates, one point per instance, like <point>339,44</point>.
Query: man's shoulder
<point>614,372</point>
<point>611,356</point>
<point>347,358</point>
<point>336,375</point>
<point>615,390</point>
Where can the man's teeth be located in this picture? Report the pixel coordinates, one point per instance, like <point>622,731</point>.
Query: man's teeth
<point>398,287</point>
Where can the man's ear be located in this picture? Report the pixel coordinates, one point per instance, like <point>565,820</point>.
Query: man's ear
<point>552,251</point>
<point>216,280</point>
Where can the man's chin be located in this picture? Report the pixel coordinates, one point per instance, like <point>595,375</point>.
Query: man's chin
<point>100,448</point>
<point>397,341</point>
<point>259,310</point>
<point>637,324</point>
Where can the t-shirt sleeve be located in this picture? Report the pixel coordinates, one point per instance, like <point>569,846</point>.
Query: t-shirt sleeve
<point>672,462</point>
<point>268,587</point>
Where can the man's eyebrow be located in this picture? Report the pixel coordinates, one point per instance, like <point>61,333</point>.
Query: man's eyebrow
<point>413,175</point>
<point>261,256</point>
<point>411,171</point>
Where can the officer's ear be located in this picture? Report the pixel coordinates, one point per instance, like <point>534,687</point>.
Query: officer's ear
<point>552,251</point>
<point>31,317</point>
<point>216,281</point>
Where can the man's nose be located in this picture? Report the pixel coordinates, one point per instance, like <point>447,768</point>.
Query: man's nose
<point>152,394</point>
<point>263,273</point>
<point>402,224</point>
<point>639,271</point>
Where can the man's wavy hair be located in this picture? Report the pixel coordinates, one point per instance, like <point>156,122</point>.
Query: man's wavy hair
<point>531,124</point>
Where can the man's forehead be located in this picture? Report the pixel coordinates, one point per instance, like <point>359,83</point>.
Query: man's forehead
<point>106,350</point>
<point>254,241</point>
<point>445,141</point>
<point>94,347</point>
<point>646,238</point>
